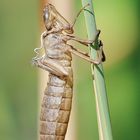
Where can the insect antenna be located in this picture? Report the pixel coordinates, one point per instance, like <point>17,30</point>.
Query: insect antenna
<point>83,8</point>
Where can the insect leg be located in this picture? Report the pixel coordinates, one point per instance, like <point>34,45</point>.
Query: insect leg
<point>84,55</point>
<point>51,66</point>
<point>82,41</point>
<point>101,51</point>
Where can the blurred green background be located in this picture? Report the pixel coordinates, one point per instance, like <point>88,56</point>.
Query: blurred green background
<point>18,80</point>
<point>19,34</point>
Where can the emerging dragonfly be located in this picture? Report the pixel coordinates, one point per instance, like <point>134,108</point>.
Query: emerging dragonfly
<point>57,99</point>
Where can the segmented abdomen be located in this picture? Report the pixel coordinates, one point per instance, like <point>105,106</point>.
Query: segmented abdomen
<point>55,108</point>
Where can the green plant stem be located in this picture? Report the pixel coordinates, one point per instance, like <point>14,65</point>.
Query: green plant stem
<point>102,109</point>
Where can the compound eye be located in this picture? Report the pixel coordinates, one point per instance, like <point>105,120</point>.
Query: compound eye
<point>46,14</point>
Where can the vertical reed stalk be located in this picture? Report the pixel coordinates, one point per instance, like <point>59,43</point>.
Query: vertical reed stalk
<point>104,124</point>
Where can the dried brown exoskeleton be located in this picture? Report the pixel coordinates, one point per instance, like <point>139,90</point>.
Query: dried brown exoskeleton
<point>57,100</point>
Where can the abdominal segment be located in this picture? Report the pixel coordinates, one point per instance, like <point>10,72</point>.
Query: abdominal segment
<point>55,109</point>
